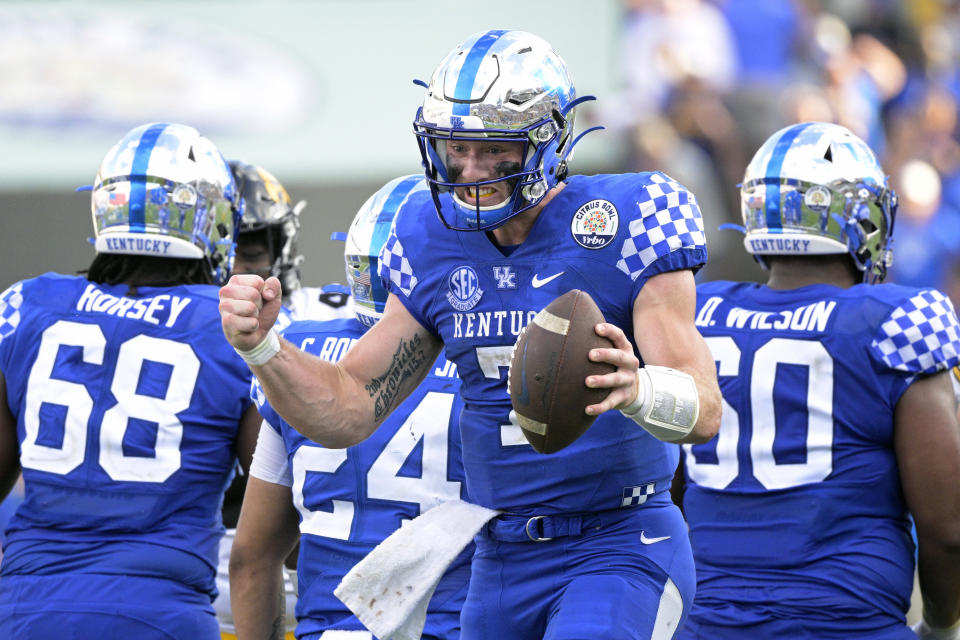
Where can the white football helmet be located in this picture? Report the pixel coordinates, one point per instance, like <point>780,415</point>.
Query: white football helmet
<point>367,235</point>
<point>507,85</point>
<point>164,190</point>
<point>816,188</point>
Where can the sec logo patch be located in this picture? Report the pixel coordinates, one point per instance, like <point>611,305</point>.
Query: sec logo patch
<point>595,224</point>
<point>463,288</point>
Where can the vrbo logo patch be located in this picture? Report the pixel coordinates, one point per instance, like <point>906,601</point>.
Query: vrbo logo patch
<point>595,224</point>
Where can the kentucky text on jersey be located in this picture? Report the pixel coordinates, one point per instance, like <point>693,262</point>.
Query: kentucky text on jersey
<point>788,245</point>
<point>809,317</point>
<point>147,309</point>
<point>138,245</point>
<point>480,324</point>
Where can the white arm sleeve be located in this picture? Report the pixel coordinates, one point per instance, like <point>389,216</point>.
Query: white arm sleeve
<point>270,458</point>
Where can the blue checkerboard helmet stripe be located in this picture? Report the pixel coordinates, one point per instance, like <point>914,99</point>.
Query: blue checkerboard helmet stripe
<point>506,85</point>
<point>164,190</point>
<point>368,234</point>
<point>816,188</point>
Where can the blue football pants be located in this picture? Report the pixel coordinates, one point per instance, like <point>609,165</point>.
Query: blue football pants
<point>106,607</point>
<point>619,575</point>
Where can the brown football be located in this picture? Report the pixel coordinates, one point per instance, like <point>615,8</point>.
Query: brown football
<point>547,371</point>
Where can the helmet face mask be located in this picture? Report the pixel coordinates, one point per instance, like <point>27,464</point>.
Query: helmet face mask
<point>367,235</point>
<point>506,86</point>
<point>269,214</point>
<point>814,189</point>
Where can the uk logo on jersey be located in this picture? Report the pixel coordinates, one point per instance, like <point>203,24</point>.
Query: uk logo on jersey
<point>464,290</point>
<point>595,224</point>
<point>505,276</point>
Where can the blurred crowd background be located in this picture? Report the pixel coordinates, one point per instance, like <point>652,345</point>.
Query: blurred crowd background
<point>704,82</point>
<point>320,94</point>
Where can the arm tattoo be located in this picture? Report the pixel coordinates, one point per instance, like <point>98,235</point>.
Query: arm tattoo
<point>406,363</point>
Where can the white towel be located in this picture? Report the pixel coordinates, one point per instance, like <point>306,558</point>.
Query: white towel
<point>390,588</point>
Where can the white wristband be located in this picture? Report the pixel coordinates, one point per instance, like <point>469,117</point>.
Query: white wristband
<point>260,354</point>
<point>667,404</point>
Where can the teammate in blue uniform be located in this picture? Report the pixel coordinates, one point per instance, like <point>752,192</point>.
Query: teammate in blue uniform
<point>348,500</point>
<point>839,420</point>
<point>588,543</point>
<point>128,411</point>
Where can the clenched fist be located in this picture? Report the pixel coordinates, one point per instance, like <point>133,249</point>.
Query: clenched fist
<point>249,306</point>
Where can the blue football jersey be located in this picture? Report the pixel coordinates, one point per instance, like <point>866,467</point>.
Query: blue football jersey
<point>127,414</point>
<point>604,234</point>
<point>350,500</point>
<point>795,508</point>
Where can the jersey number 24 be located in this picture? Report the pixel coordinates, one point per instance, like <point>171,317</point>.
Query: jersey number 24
<point>428,422</point>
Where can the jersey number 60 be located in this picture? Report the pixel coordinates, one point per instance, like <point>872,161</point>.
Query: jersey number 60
<point>760,381</point>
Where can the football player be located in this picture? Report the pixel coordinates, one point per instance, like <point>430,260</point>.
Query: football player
<point>348,500</point>
<point>127,410</point>
<point>839,419</point>
<point>589,543</point>
<point>267,246</point>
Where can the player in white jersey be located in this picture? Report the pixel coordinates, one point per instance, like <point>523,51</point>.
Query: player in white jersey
<point>124,409</point>
<point>587,542</point>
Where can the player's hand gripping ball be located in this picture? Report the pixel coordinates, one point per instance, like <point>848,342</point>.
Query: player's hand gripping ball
<point>548,368</point>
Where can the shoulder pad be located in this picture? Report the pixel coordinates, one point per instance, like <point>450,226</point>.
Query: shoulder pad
<point>921,335</point>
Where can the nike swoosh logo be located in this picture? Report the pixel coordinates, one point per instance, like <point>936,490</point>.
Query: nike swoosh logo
<point>645,540</point>
<point>537,282</point>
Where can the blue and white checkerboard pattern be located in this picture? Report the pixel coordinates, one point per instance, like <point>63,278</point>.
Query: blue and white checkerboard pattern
<point>632,496</point>
<point>395,267</point>
<point>10,302</point>
<point>920,336</point>
<point>670,220</point>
